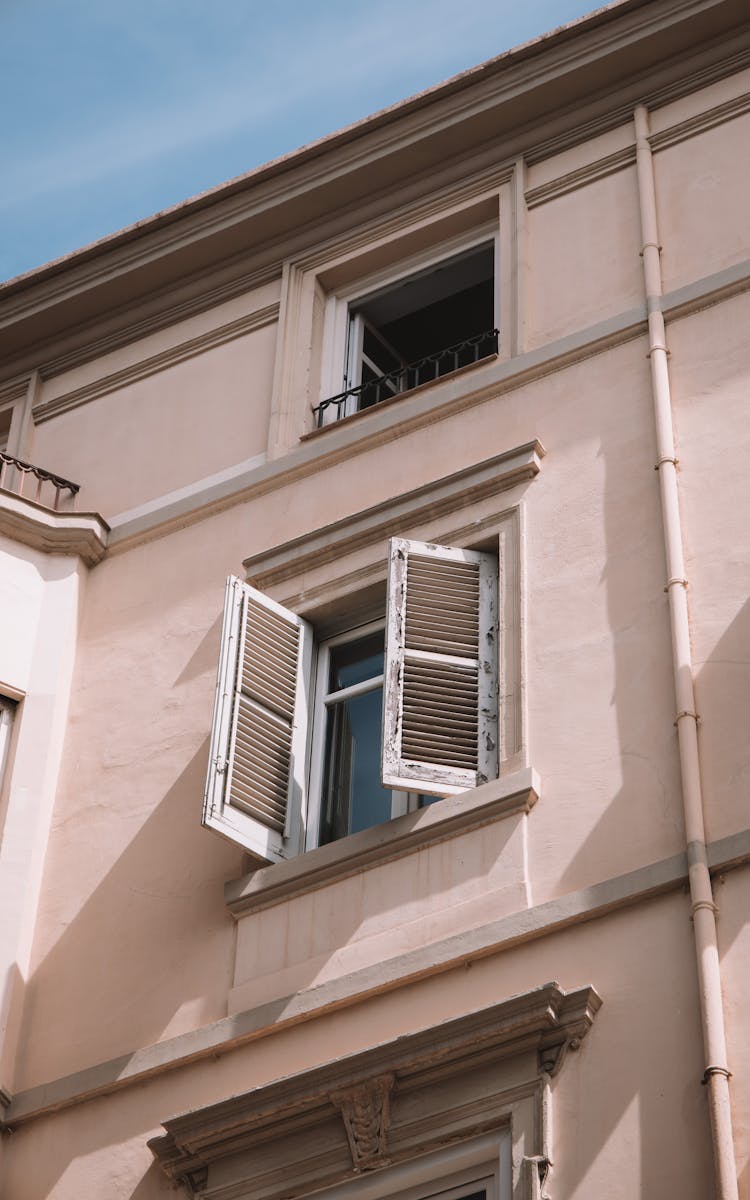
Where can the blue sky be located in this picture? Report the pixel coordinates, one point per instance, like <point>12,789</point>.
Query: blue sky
<point>115,109</point>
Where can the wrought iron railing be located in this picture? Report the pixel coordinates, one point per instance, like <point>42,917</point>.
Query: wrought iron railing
<point>16,474</point>
<point>404,379</point>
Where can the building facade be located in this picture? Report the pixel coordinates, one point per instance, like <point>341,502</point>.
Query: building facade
<point>441,889</point>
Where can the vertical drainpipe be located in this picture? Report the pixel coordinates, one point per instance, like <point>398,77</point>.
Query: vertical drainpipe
<point>716,1075</point>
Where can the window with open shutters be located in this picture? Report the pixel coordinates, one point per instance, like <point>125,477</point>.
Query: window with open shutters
<point>397,724</point>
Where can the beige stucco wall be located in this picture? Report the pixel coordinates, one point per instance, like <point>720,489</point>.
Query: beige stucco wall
<point>204,407</point>
<point>40,598</point>
<point>636,1066</point>
<point>132,942</point>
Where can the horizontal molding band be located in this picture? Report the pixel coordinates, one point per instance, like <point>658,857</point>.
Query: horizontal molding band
<point>590,903</point>
<point>32,524</point>
<point>435,499</point>
<point>156,362</point>
<point>238,484</point>
<point>166,314</point>
<point>327,161</point>
<point>507,796</point>
<point>588,173</point>
<point>368,431</point>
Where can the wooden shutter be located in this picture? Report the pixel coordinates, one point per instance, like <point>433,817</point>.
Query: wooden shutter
<point>440,726</point>
<point>256,770</point>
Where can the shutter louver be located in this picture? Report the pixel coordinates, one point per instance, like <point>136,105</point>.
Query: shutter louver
<point>256,764</point>
<point>440,717</point>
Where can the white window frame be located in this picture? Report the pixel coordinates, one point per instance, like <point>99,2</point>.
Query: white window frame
<point>336,358</point>
<point>402,801</point>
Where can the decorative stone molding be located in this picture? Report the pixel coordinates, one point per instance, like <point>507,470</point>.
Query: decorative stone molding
<point>157,362</point>
<point>504,797</point>
<point>445,1084</point>
<point>84,534</point>
<point>443,496</point>
<point>366,1113</point>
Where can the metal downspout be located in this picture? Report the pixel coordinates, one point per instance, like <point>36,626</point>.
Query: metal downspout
<point>716,1075</point>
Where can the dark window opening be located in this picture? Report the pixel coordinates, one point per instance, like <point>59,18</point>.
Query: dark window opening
<point>420,329</point>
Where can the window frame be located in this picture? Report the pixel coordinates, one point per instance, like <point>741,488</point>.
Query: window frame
<point>244,740</point>
<point>336,352</point>
<point>454,1173</point>
<point>401,801</point>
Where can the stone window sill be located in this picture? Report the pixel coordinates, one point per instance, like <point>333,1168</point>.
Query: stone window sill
<point>503,797</point>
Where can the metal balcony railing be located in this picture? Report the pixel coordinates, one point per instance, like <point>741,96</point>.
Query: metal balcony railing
<point>18,477</point>
<point>404,379</point>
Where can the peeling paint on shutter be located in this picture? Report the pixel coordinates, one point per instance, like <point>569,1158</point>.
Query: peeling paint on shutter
<point>256,766</point>
<point>440,715</point>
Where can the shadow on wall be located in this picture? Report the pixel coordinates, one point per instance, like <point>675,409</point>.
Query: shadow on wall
<point>649,797</point>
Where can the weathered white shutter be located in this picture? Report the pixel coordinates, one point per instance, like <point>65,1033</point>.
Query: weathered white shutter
<point>256,770</point>
<point>440,726</point>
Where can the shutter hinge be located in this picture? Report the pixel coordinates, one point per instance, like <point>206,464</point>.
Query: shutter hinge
<point>221,764</point>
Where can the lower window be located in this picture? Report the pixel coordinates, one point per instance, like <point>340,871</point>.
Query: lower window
<point>399,715</point>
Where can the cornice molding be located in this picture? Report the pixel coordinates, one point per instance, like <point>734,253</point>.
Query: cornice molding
<point>145,367</point>
<point>594,902</point>
<point>14,389</point>
<point>507,796</point>
<point>599,169</point>
<point>439,111</point>
<point>409,1096</point>
<point>669,136</point>
<point>84,534</point>
<point>206,296</point>
<point>700,122</point>
<point>622,114</point>
<point>435,499</point>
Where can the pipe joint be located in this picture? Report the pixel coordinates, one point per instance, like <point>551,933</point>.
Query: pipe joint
<point>709,1071</point>
<point>659,346</point>
<point>709,904</point>
<point>685,713</point>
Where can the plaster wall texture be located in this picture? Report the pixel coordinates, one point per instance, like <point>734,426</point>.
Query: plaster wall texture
<point>733,899</point>
<point>711,377</point>
<point>583,252</point>
<point>39,598</point>
<point>167,430</point>
<point>701,189</point>
<point>132,943</point>
<point>631,1086</point>
<point>148,644</point>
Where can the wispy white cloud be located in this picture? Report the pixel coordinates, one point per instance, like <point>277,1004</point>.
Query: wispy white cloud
<point>261,77</point>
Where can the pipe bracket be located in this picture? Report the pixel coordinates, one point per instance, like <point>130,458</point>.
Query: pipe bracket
<point>704,904</point>
<point>659,346</point>
<point>650,246</point>
<point>665,458</point>
<point>709,1071</point>
<point>675,579</point>
<point>685,713</point>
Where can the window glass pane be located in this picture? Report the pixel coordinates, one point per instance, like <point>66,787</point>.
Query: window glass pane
<point>356,661</point>
<point>353,797</point>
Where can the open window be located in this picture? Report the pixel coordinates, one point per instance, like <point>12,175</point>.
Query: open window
<point>418,329</point>
<point>396,716</point>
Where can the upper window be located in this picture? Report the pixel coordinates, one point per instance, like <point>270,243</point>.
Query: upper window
<point>415,330</point>
<point>396,716</point>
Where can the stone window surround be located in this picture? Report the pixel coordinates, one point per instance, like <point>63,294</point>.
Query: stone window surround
<point>382,250</point>
<point>329,562</point>
<point>460,1084</point>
